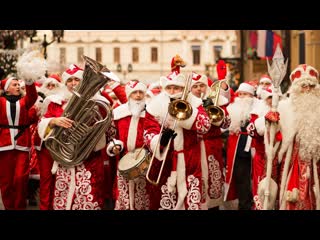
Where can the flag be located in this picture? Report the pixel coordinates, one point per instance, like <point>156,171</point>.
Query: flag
<point>261,45</point>
<point>269,44</point>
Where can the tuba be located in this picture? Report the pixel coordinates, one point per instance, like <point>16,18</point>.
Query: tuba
<point>215,113</point>
<point>71,146</point>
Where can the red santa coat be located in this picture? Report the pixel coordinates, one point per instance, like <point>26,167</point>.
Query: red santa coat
<point>23,143</point>
<point>130,194</point>
<point>180,186</point>
<point>299,185</point>
<point>14,154</point>
<point>79,187</point>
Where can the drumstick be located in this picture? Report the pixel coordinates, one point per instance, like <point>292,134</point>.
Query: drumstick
<point>135,157</point>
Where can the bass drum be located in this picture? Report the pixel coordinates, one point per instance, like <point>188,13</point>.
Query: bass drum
<point>134,164</point>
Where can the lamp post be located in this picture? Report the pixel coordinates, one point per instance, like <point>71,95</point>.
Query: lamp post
<point>57,35</point>
<point>124,71</point>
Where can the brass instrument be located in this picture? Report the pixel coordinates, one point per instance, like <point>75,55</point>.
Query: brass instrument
<point>179,109</point>
<point>215,113</point>
<point>71,146</point>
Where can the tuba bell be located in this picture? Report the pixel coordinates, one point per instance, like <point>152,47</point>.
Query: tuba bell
<point>71,146</point>
<point>215,113</point>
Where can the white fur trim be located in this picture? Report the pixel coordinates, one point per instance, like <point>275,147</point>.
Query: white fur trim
<point>99,97</point>
<point>176,79</point>
<point>187,124</point>
<point>54,168</point>
<point>260,125</point>
<point>111,145</point>
<point>121,111</point>
<point>132,133</point>
<point>153,143</point>
<point>42,128</point>
<point>194,101</point>
<point>8,82</point>
<point>172,181</point>
<point>53,98</point>
<point>72,188</point>
<point>226,93</point>
<point>287,124</point>
<point>246,87</point>
<point>112,76</point>
<point>292,196</point>
<point>181,182</point>
<point>65,76</point>
<point>159,105</point>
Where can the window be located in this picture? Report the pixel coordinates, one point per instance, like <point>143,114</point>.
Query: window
<point>63,56</point>
<point>196,55</point>
<point>98,54</point>
<point>234,50</point>
<point>135,55</point>
<point>217,52</point>
<point>116,55</point>
<point>154,55</point>
<point>80,54</point>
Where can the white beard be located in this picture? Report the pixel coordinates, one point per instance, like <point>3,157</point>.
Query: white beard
<point>175,96</point>
<point>136,107</point>
<point>239,112</point>
<point>259,90</point>
<point>49,92</point>
<point>306,108</point>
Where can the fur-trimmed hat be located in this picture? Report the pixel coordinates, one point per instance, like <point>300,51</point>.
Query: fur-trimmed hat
<point>134,85</point>
<point>304,73</point>
<point>265,78</point>
<point>4,84</point>
<point>72,71</point>
<point>174,78</point>
<point>246,87</point>
<point>265,93</point>
<point>197,78</point>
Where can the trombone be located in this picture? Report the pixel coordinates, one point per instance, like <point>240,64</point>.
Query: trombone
<point>215,113</point>
<point>179,109</point>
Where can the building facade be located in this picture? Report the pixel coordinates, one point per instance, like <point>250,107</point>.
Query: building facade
<point>142,54</point>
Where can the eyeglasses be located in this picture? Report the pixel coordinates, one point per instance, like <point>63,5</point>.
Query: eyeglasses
<point>305,85</point>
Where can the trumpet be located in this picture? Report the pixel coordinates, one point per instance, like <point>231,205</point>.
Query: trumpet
<point>215,113</point>
<point>179,109</point>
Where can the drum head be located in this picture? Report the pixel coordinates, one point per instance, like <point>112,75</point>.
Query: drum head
<point>132,159</point>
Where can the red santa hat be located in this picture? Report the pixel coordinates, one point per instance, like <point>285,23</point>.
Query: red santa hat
<point>197,78</point>
<point>265,79</point>
<point>56,77</point>
<point>246,87</point>
<point>304,74</point>
<point>265,93</point>
<point>72,71</point>
<point>134,85</point>
<point>51,79</point>
<point>153,92</point>
<point>174,78</point>
<point>4,84</point>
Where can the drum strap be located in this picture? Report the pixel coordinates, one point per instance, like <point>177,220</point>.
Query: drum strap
<point>175,159</point>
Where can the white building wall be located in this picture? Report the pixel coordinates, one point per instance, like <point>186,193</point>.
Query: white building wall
<point>168,42</point>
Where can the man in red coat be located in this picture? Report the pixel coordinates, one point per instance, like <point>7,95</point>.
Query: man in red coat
<point>79,187</point>
<point>15,142</point>
<point>129,122</point>
<point>211,147</point>
<point>180,185</point>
